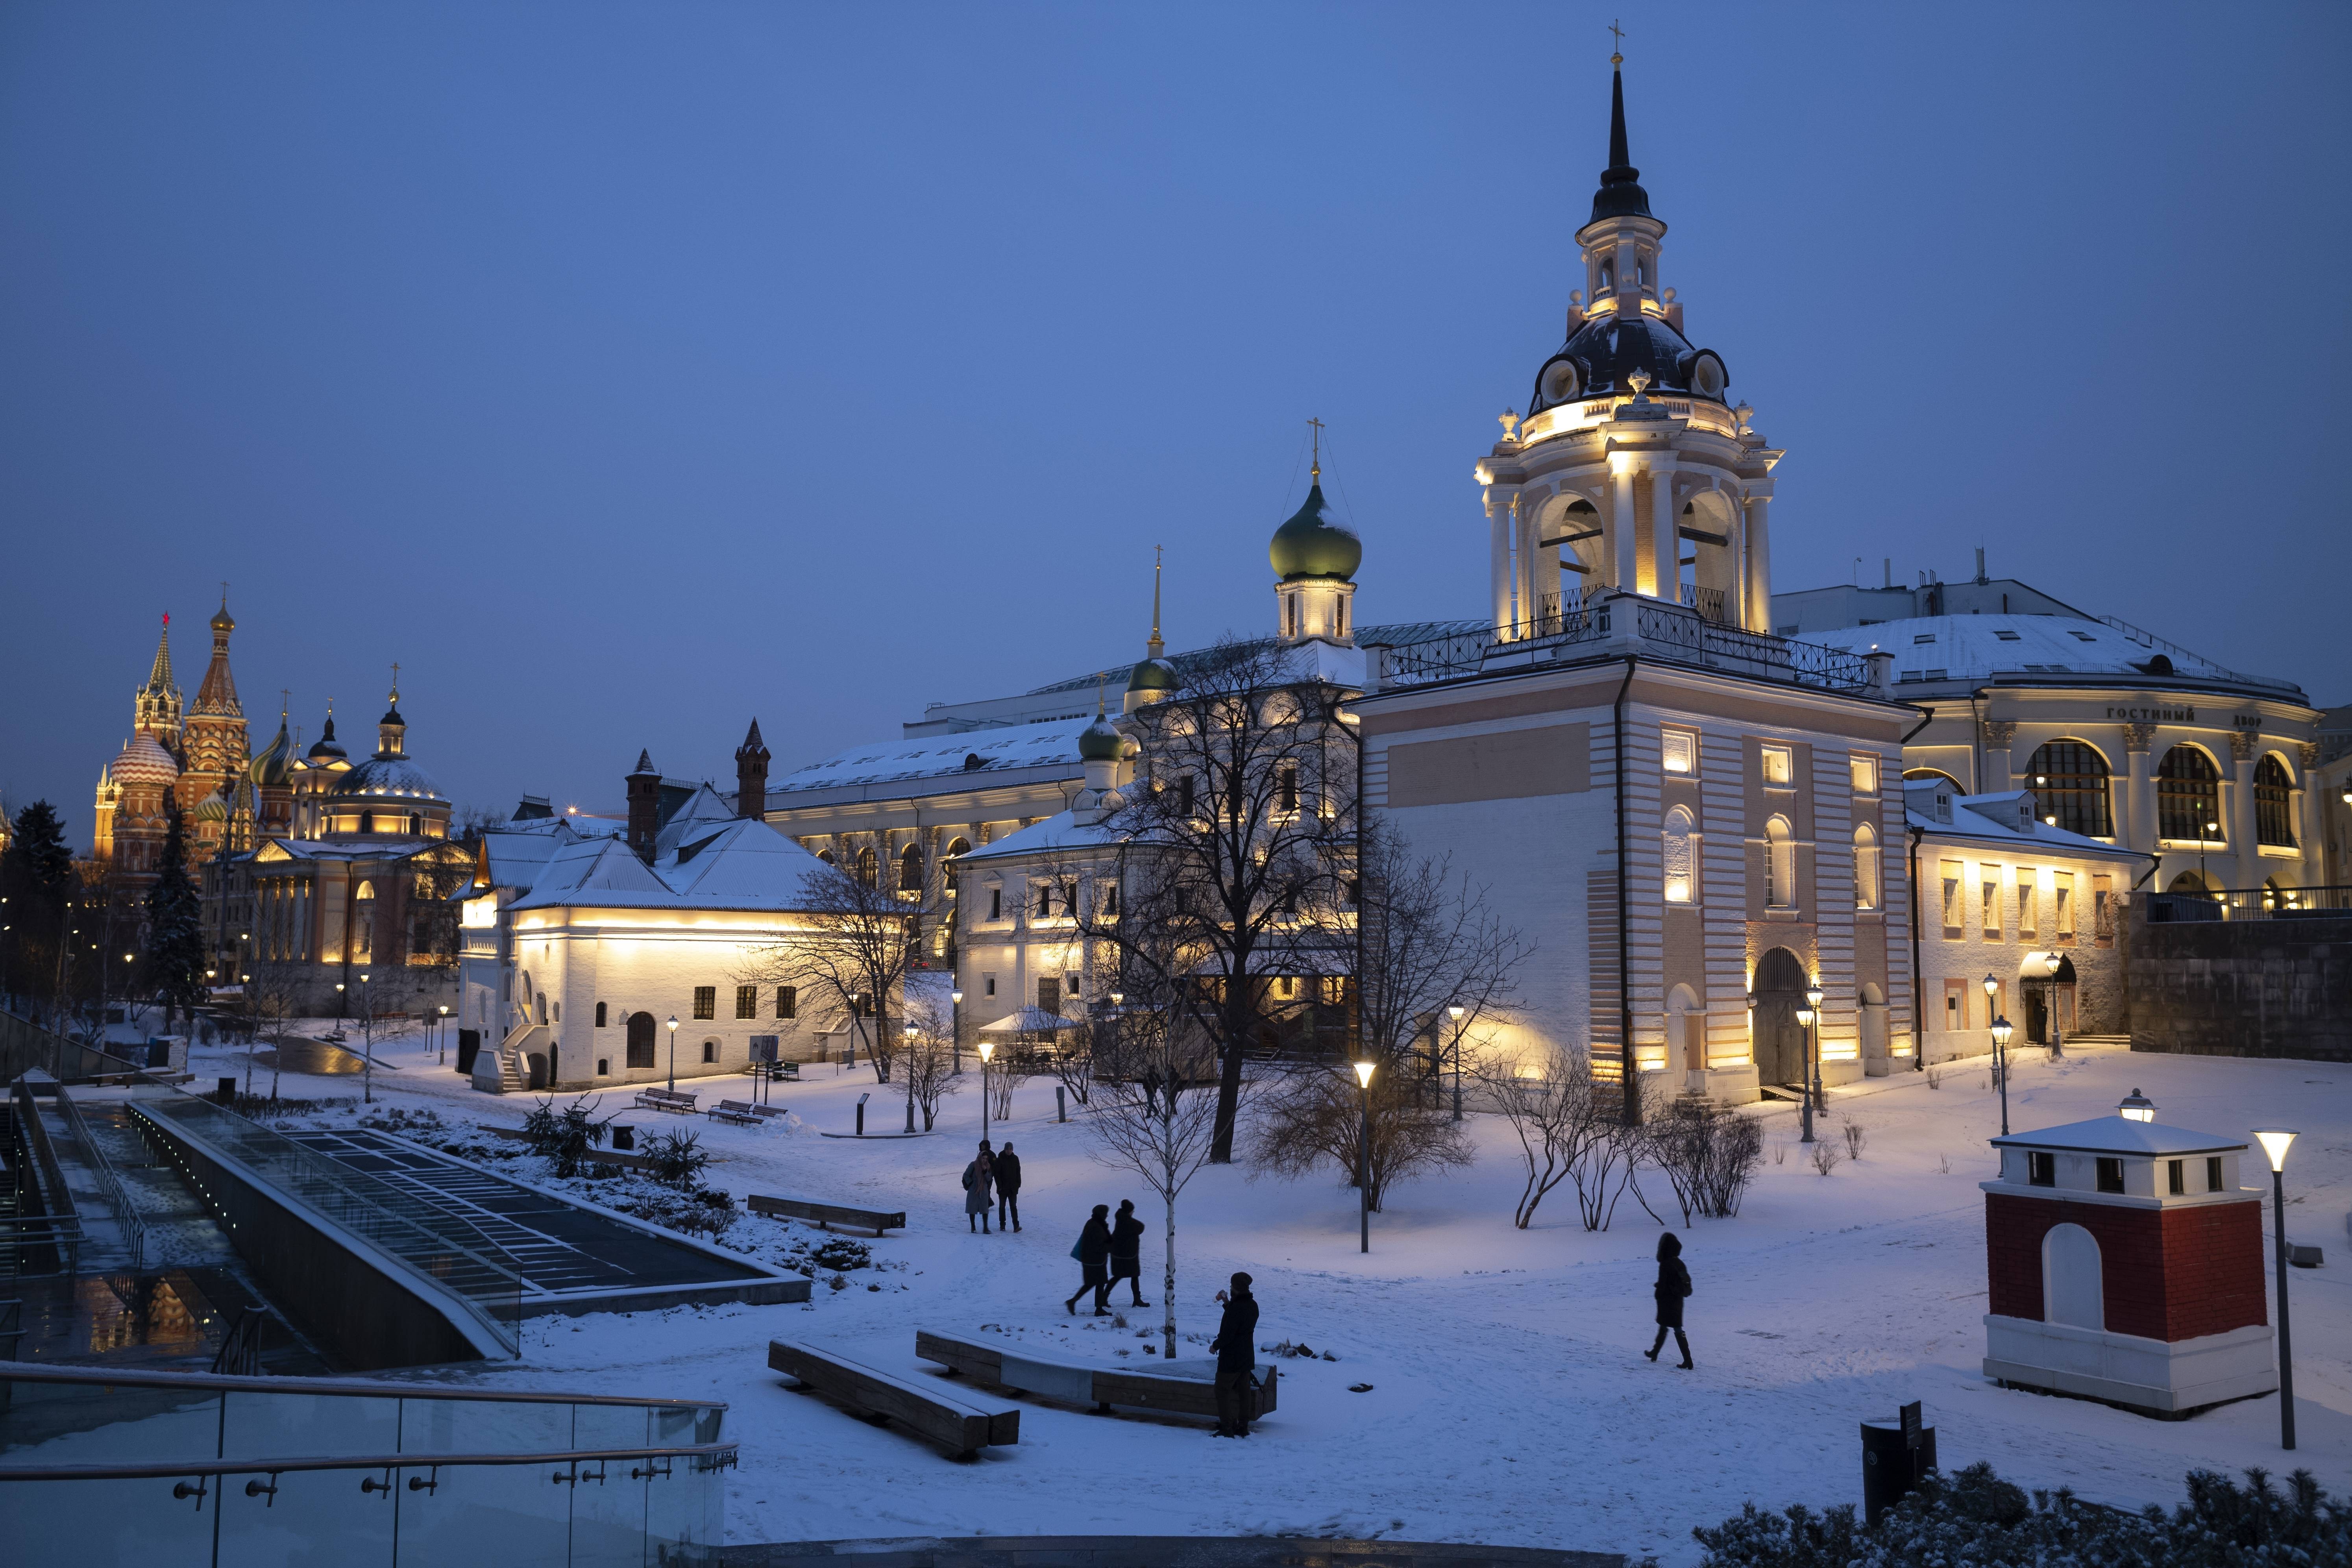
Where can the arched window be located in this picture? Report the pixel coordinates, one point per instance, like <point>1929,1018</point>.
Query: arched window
<point>1865,867</point>
<point>2187,796</point>
<point>1911,774</point>
<point>869,867</point>
<point>2273,804</point>
<point>2069,783</point>
<point>2072,1288</point>
<point>1679,869</point>
<point>910,869</point>
<point>364,920</point>
<point>600,1015</point>
<point>710,1050</point>
<point>825,855</point>
<point>1779,865</point>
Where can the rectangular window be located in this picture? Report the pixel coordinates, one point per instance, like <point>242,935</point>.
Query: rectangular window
<point>2103,911</point>
<point>1954,916</point>
<point>996,903</point>
<point>747,1000</point>
<point>2041,1169</point>
<point>1049,994</point>
<point>706,1000</point>
<point>2061,904</point>
<point>1070,899</point>
<point>1679,751</point>
<point>1866,773</point>
<point>2176,1178</point>
<point>1988,908</point>
<point>1956,1005</point>
<point>1073,986</point>
<point>2111,1174</point>
<point>988,985</point>
<point>2213,1173</point>
<point>1779,766</point>
<point>1286,789</point>
<point>788,1002</point>
<point>1184,796</point>
<point>2029,883</point>
<point>1045,899</point>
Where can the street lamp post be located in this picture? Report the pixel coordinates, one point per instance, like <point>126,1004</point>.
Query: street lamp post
<point>673,1052</point>
<point>1364,1159</point>
<point>1456,1012</point>
<point>367,1039</point>
<point>2274,1142</point>
<point>1805,1107</point>
<point>2000,1033</point>
<point>2203,834</point>
<point>2050,1007</point>
<point>987,1049</point>
<point>441,1034</point>
<point>1813,1000</point>
<point>908,1033</point>
<point>955,1002</point>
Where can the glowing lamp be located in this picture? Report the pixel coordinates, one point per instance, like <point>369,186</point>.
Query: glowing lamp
<point>1804,1017</point>
<point>956,998</point>
<point>987,1051</point>
<point>2001,1030</point>
<point>2136,1107</point>
<point>1455,1012</point>
<point>1364,1074</point>
<point>2274,1142</point>
<point>1991,985</point>
<point>1813,997</point>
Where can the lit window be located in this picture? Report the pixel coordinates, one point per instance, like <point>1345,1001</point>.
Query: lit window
<point>2273,804</point>
<point>1779,765</point>
<point>2029,885</point>
<point>706,1000</point>
<point>1865,867</point>
<point>1679,869</point>
<point>788,1002</point>
<point>1679,749</point>
<point>1779,865</point>
<point>1866,773</point>
<point>747,1000</point>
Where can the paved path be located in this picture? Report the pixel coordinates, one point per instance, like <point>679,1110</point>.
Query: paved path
<point>1157,1552</point>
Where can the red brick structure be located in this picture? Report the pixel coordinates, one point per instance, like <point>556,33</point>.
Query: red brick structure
<point>2124,1263</point>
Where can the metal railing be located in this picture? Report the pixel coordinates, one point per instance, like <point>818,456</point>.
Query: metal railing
<point>442,1249</point>
<point>24,1045</point>
<point>1708,602</point>
<point>1686,635</point>
<point>118,1200</point>
<point>2251,904</point>
<point>57,1227</point>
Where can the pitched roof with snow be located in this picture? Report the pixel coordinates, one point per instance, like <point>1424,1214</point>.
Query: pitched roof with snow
<point>737,863</point>
<point>2007,816</point>
<point>1052,743</point>
<point>2121,1135</point>
<point>1931,651</point>
<point>1063,830</point>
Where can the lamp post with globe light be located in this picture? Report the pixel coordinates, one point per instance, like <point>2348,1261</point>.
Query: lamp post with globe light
<point>1364,1158</point>
<point>908,1033</point>
<point>2051,963</point>
<point>987,1049</point>
<point>2274,1142</point>
<point>1813,1000</point>
<point>955,1027</point>
<point>1805,1102</point>
<point>673,1052</point>
<point>2000,1033</point>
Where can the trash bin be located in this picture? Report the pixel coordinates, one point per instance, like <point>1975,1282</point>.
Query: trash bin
<point>624,1137</point>
<point>1890,1469</point>
<point>224,1091</point>
<point>469,1045</point>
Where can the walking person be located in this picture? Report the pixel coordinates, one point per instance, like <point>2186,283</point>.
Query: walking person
<point>977,1176</point>
<point>1237,1350</point>
<point>1008,1189</point>
<point>1126,1251</point>
<point>1093,1253</point>
<point>1674,1284</point>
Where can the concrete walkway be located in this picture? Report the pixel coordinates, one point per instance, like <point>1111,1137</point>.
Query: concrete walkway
<point>1156,1551</point>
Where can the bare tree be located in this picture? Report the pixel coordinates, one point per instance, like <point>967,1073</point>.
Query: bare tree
<point>1158,1118</point>
<point>862,937</point>
<point>1708,1156</point>
<point>273,999</point>
<point>927,1058</point>
<point>1570,1127</point>
<point>1315,1117</point>
<point>1229,862</point>
<point>1012,1068</point>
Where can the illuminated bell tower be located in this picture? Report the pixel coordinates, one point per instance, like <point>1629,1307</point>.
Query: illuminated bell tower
<point>1632,473</point>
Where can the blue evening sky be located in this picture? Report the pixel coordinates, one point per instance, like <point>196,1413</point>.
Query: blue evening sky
<point>625,372</point>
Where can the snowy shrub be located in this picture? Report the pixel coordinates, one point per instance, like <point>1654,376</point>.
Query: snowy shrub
<point>1708,1155</point>
<point>1568,1125</point>
<point>837,1253</point>
<point>1311,1120</point>
<point>1826,1157</point>
<point>564,1137</point>
<point>1976,1519</point>
<point>1779,1151</point>
<point>1856,1135</point>
<point>710,1212</point>
<point>676,1159</point>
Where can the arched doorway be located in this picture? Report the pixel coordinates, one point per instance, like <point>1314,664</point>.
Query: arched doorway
<point>641,1039</point>
<point>2046,995</point>
<point>1874,1043</point>
<point>1779,1040</point>
<point>1685,1030</point>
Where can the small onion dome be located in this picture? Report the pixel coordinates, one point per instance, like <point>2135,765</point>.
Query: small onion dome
<point>212,809</point>
<point>325,746</point>
<point>1153,675</point>
<point>1100,742</point>
<point>222,620</point>
<point>269,769</point>
<point>145,761</point>
<point>1314,543</point>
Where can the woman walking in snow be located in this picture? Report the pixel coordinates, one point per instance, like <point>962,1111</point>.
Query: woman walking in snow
<point>1674,1284</point>
<point>1126,1251</point>
<point>977,1178</point>
<point>1093,1253</point>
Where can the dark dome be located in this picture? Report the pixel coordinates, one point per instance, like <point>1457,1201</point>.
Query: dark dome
<point>269,768</point>
<point>1607,349</point>
<point>1100,742</point>
<point>325,746</point>
<point>1314,543</point>
<point>389,775</point>
<point>1153,675</point>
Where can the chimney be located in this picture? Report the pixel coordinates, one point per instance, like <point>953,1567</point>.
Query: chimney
<point>644,784</point>
<point>751,776</point>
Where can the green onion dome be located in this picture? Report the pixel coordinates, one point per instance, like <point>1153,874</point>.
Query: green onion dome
<point>1100,742</point>
<point>1153,675</point>
<point>1314,543</point>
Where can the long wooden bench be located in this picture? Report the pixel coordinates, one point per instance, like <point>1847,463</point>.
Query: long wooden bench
<point>955,1423</point>
<point>825,1214</point>
<point>666,1100</point>
<point>741,1111</point>
<point>770,1112</point>
<point>1179,1387</point>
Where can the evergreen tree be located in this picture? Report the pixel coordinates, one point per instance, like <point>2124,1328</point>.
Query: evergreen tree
<point>37,877</point>
<point>175,932</point>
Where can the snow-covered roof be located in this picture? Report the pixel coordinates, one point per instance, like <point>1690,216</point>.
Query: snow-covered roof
<point>1060,831</point>
<point>735,864</point>
<point>2007,816</point>
<point>1029,1020</point>
<point>1051,743</point>
<point>2121,1135</point>
<point>1937,649</point>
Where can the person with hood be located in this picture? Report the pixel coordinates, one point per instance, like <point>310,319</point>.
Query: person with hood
<point>1008,1189</point>
<point>1674,1284</point>
<point>1093,1253</point>
<point>977,1177</point>
<point>1236,1350</point>
<point>1126,1251</point>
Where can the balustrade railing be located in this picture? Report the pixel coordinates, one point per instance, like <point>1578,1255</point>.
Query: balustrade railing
<point>1687,635</point>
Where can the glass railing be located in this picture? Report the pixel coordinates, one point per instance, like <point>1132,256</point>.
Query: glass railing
<point>100,1466</point>
<point>447,1251</point>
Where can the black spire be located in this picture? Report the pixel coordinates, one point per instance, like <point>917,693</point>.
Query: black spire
<point>1621,193</point>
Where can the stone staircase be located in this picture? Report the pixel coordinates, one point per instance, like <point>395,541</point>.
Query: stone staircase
<point>504,1070</point>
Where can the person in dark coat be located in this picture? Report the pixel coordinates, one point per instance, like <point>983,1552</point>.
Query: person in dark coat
<point>1093,1253</point>
<point>1126,1251</point>
<point>977,1176</point>
<point>1008,1189</point>
<point>1674,1284</point>
<point>1237,1350</point>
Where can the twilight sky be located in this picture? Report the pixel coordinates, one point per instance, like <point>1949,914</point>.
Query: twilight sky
<point>624,371</point>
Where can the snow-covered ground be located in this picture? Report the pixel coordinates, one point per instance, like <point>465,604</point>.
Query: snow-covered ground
<point>1510,1404</point>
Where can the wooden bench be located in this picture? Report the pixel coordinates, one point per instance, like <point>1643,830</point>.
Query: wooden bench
<point>770,1112</point>
<point>956,1424</point>
<point>825,1214</point>
<point>666,1100</point>
<point>741,1111</point>
<point>1178,1387</point>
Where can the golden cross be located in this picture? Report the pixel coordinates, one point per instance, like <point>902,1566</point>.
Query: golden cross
<point>1619,34</point>
<point>395,678</point>
<point>1317,438</point>
<point>285,701</point>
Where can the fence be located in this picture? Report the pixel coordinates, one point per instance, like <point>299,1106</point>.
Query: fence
<point>1685,634</point>
<point>2266,903</point>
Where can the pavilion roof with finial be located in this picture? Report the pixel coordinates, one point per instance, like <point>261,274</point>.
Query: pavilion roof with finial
<point>1621,193</point>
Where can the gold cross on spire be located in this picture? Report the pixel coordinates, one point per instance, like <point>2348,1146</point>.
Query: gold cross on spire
<point>395,680</point>
<point>1617,53</point>
<point>285,701</point>
<point>1317,438</point>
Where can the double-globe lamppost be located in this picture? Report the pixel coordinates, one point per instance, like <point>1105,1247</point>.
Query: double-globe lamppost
<point>987,1049</point>
<point>1364,1158</point>
<point>2274,1142</point>
<point>1805,1108</point>
<point>1809,1018</point>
